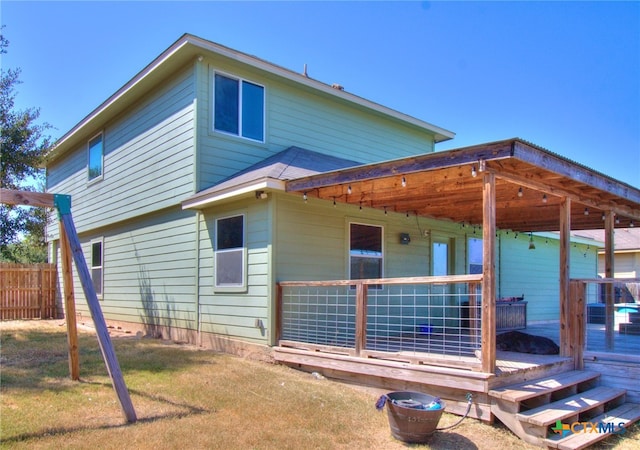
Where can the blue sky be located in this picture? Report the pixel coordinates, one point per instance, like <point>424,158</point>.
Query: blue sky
<point>563,75</point>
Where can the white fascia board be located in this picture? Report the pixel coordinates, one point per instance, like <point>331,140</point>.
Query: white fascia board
<point>204,200</point>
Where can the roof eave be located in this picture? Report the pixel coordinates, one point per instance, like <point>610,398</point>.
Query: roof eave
<point>210,197</point>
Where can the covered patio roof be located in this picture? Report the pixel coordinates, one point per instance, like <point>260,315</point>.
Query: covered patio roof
<point>531,183</point>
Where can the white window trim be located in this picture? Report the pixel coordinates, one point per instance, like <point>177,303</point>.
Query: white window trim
<point>382,252</point>
<point>101,176</point>
<point>213,107</point>
<point>231,288</point>
<point>95,241</point>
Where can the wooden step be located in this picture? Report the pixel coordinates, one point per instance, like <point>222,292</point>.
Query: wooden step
<point>524,391</point>
<point>621,417</point>
<point>571,407</point>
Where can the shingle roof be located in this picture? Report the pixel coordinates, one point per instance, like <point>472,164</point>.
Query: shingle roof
<point>293,162</point>
<point>625,238</point>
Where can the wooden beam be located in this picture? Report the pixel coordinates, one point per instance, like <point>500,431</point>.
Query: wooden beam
<point>565,253</point>
<point>102,332</point>
<point>69,305</point>
<point>578,291</point>
<point>609,272</point>
<point>489,273</point>
<point>25,198</point>
<point>593,200</point>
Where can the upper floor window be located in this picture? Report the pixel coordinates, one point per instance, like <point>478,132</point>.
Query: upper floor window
<point>239,107</point>
<point>95,157</point>
<point>229,254</point>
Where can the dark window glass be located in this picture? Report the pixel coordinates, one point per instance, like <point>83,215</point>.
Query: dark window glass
<point>227,94</point>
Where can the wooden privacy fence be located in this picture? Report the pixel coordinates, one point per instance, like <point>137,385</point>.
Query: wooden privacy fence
<point>28,291</point>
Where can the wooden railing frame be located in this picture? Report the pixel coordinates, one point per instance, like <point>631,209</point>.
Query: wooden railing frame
<point>472,281</point>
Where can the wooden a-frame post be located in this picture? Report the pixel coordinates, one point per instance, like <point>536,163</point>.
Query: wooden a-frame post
<point>71,247</point>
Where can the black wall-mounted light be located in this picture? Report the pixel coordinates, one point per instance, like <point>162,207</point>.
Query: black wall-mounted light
<point>405,238</point>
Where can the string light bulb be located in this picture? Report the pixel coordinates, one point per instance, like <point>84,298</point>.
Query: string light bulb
<point>520,193</point>
<point>349,190</point>
<point>404,182</point>
<point>304,197</point>
<point>544,198</point>
<point>586,211</point>
<point>474,172</point>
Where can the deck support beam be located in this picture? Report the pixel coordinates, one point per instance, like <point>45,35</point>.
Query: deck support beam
<point>566,319</point>
<point>489,273</point>
<point>609,272</point>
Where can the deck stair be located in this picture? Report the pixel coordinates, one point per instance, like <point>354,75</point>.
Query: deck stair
<point>534,408</point>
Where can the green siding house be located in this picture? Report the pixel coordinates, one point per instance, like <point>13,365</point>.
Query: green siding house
<point>178,189</point>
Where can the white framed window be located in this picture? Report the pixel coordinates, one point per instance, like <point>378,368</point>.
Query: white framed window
<point>475,256</point>
<point>95,158</point>
<point>365,251</point>
<point>238,107</point>
<point>230,252</point>
<point>97,273</point>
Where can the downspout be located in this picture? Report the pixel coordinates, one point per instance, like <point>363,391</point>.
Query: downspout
<point>197,79</point>
<point>197,291</point>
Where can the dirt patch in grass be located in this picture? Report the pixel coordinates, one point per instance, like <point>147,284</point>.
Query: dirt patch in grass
<point>186,397</point>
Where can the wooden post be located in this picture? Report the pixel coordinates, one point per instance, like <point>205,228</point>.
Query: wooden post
<point>278,324</point>
<point>609,273</point>
<point>63,204</point>
<point>489,273</point>
<point>577,293</point>
<point>566,320</point>
<point>67,228</point>
<point>361,317</point>
<point>69,305</point>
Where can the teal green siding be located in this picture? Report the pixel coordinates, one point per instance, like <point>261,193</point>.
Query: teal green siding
<point>296,116</point>
<point>149,270</point>
<point>148,161</point>
<point>233,313</point>
<point>536,273</point>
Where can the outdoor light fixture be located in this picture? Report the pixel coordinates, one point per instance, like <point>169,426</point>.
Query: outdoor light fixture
<point>544,198</point>
<point>405,238</point>
<point>586,211</point>
<point>474,172</point>
<point>261,195</point>
<point>385,210</point>
<point>532,246</point>
<point>631,225</point>
<point>334,202</point>
<point>349,190</point>
<point>304,197</point>
<point>520,193</point>
<point>404,182</point>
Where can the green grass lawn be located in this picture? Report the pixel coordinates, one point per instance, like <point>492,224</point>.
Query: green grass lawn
<point>191,398</point>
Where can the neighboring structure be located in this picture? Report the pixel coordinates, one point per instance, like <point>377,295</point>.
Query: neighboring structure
<point>627,251</point>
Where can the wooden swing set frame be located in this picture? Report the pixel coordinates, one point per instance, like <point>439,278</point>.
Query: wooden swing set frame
<point>71,249</point>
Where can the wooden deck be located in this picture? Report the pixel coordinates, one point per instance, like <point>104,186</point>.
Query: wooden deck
<point>446,382</point>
